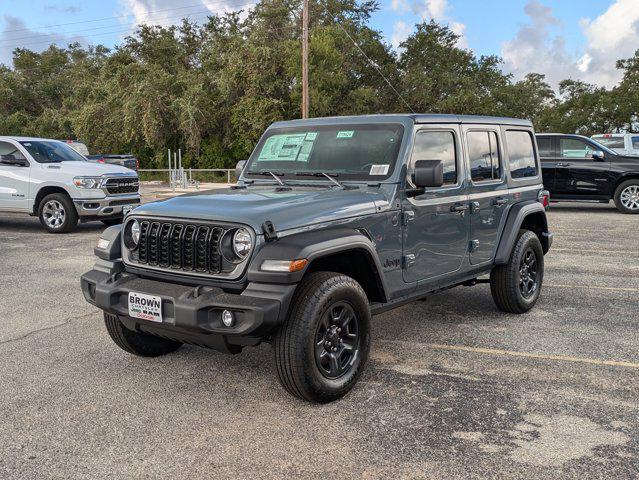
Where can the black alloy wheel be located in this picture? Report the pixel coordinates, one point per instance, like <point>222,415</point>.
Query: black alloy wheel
<point>528,273</point>
<point>337,341</point>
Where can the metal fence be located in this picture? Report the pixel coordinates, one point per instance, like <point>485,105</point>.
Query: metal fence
<point>188,176</point>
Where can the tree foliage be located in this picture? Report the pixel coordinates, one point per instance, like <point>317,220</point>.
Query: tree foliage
<point>212,89</point>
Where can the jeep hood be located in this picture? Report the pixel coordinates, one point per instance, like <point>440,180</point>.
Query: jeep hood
<point>300,206</point>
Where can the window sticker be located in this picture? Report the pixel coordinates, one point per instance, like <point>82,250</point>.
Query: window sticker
<point>281,147</point>
<point>379,170</point>
<point>311,136</point>
<point>346,134</point>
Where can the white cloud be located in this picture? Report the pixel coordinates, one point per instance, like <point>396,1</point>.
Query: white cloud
<point>171,12</point>
<point>16,34</point>
<point>400,6</point>
<point>401,31</point>
<point>435,9</point>
<point>609,37</point>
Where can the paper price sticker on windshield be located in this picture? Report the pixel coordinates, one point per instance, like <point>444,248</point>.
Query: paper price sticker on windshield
<point>346,134</point>
<point>379,170</point>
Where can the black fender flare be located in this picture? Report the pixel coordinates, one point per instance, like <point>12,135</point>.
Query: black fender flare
<point>312,245</point>
<point>516,216</point>
<point>113,250</point>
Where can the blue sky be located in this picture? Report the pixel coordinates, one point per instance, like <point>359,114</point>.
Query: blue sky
<point>562,39</point>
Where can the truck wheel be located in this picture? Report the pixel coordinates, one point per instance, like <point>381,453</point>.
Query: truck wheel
<point>627,196</point>
<point>140,344</point>
<point>322,348</point>
<point>516,286</point>
<point>57,213</point>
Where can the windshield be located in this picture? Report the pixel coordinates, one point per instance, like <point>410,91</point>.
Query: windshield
<point>356,152</point>
<point>44,151</point>
<point>611,142</point>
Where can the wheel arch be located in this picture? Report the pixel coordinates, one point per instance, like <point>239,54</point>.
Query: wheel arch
<point>625,178</point>
<point>43,192</point>
<point>346,251</point>
<point>527,216</point>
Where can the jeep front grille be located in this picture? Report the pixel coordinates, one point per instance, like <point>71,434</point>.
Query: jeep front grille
<point>119,186</point>
<point>179,246</point>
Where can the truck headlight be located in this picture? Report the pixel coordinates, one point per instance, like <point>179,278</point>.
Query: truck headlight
<point>87,182</point>
<point>242,243</point>
<point>132,234</point>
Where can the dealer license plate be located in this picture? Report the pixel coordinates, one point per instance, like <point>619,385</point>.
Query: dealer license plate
<point>146,307</point>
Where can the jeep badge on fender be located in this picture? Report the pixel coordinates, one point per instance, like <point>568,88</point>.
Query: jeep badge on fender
<point>308,244</point>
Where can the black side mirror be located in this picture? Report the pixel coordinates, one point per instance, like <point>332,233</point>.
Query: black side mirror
<point>12,160</point>
<point>598,156</point>
<point>428,173</point>
<point>239,167</point>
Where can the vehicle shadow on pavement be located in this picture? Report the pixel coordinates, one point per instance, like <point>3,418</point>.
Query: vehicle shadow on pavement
<point>29,224</point>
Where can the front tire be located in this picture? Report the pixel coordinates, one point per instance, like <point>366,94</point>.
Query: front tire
<point>323,346</point>
<point>57,213</point>
<point>140,344</point>
<point>516,286</point>
<point>627,197</point>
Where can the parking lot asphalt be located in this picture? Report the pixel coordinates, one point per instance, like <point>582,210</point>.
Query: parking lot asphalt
<point>454,388</point>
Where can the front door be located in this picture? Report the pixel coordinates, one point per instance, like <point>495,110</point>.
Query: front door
<point>14,180</point>
<point>488,190</point>
<point>436,222</point>
<point>578,174</point>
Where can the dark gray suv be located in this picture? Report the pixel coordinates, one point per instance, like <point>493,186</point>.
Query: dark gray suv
<point>332,220</point>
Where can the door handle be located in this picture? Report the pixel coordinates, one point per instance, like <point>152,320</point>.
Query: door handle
<point>563,164</point>
<point>459,207</point>
<point>498,202</point>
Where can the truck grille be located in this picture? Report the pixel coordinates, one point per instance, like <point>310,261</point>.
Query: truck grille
<point>179,246</point>
<point>119,186</point>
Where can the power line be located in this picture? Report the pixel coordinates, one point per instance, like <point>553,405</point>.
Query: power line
<point>336,20</point>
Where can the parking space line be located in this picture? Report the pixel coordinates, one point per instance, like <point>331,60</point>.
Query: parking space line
<point>590,287</point>
<point>538,356</point>
<point>580,250</point>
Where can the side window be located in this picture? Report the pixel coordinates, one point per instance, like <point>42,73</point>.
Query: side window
<point>521,153</point>
<point>545,147</point>
<point>483,153</point>
<point>7,148</point>
<point>635,143</point>
<point>574,148</point>
<point>434,145</point>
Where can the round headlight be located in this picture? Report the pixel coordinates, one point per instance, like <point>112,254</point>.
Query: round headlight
<point>242,243</point>
<point>132,234</point>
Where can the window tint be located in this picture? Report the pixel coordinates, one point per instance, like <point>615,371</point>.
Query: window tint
<point>574,148</point>
<point>545,147</point>
<point>635,143</point>
<point>431,145</point>
<point>7,148</point>
<point>484,156</point>
<point>521,154</point>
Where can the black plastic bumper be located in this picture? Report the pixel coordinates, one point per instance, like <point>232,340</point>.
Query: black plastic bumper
<point>191,314</point>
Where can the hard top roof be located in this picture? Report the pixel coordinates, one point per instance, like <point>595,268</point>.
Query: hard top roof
<point>417,118</point>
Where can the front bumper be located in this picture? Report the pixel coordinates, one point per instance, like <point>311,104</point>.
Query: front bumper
<point>105,207</point>
<point>191,314</point>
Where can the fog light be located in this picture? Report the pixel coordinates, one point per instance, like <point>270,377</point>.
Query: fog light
<point>228,319</point>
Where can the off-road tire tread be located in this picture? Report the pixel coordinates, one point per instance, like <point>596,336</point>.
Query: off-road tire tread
<point>308,295</point>
<point>140,344</point>
<point>617,196</point>
<point>503,284</point>
<point>71,213</point>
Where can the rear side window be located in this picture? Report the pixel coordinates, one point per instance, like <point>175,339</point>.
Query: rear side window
<point>483,154</point>
<point>521,153</point>
<point>434,145</point>
<point>10,150</point>
<point>611,142</point>
<point>545,147</point>
<point>635,143</point>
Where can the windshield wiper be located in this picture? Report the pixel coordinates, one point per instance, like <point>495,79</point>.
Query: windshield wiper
<point>323,174</point>
<point>274,175</point>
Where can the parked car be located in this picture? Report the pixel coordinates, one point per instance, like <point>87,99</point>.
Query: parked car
<point>620,143</point>
<point>332,220</point>
<point>49,179</point>
<point>127,161</point>
<point>577,168</point>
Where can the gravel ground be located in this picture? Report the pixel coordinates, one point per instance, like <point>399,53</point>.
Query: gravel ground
<point>454,388</point>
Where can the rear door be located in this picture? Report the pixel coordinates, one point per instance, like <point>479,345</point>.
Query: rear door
<point>488,190</point>
<point>578,174</point>
<point>14,179</point>
<point>436,223</point>
<point>548,155</point>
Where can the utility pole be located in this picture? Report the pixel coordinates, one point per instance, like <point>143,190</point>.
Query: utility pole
<point>305,59</point>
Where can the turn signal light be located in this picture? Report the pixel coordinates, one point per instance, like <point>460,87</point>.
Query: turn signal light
<point>284,265</point>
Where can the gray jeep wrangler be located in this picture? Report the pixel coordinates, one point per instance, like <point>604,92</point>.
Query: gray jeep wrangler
<point>332,220</point>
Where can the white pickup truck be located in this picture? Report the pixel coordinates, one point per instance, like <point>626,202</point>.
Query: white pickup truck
<point>622,143</point>
<point>49,179</point>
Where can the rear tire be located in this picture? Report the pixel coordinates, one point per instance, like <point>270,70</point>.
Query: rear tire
<point>322,348</point>
<point>57,213</point>
<point>141,344</point>
<point>516,286</point>
<point>627,197</point>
